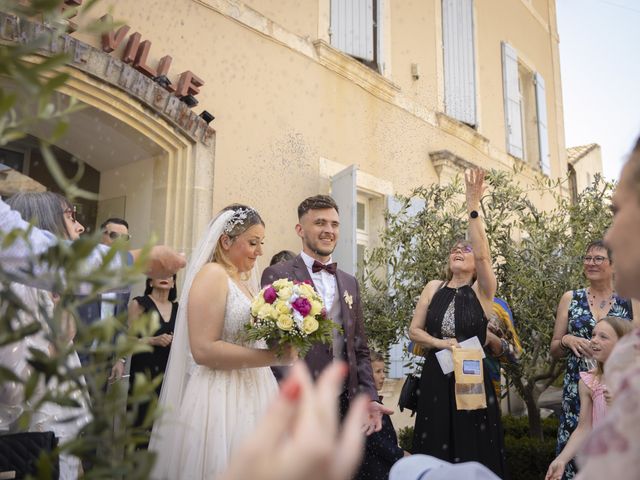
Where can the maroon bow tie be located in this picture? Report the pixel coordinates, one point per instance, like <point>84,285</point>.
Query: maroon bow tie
<point>329,268</point>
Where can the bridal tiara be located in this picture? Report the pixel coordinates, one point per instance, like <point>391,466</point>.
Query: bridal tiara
<point>239,216</point>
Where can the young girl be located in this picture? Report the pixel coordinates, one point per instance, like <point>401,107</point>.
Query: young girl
<point>593,393</point>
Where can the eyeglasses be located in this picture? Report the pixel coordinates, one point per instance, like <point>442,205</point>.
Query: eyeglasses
<point>115,235</point>
<point>597,260</point>
<point>72,212</point>
<point>461,249</point>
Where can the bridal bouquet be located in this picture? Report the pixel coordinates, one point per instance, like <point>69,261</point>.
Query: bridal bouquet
<point>287,312</point>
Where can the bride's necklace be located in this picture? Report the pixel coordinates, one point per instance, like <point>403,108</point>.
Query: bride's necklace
<point>603,303</point>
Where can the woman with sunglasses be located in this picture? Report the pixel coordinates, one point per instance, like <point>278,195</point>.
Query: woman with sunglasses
<point>448,312</point>
<point>578,312</point>
<point>53,213</point>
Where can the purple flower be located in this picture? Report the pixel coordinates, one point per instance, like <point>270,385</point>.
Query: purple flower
<point>302,305</point>
<point>270,295</point>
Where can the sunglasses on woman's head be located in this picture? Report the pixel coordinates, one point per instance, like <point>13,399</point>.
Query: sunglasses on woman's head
<point>115,235</point>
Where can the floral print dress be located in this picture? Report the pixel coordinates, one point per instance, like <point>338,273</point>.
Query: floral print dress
<point>580,324</point>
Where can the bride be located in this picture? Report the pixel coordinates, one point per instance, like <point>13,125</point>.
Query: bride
<point>216,385</point>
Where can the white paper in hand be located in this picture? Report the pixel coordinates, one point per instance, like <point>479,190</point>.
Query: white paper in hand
<point>445,358</point>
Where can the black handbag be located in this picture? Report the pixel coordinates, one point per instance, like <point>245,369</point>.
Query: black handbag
<point>409,394</point>
<point>19,453</point>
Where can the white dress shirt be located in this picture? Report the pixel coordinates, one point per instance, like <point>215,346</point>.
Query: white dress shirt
<point>325,283</point>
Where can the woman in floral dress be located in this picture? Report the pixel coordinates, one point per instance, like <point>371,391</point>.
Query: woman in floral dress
<point>578,312</point>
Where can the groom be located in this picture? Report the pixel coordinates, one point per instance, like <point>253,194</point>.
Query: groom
<point>318,227</point>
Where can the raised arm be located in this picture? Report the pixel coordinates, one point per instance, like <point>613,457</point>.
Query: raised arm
<point>474,182</point>
<point>206,309</point>
<point>19,257</point>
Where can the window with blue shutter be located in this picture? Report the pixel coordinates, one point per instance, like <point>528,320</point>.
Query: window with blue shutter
<point>343,191</point>
<point>459,60</point>
<point>513,118</point>
<point>356,29</point>
<point>543,134</point>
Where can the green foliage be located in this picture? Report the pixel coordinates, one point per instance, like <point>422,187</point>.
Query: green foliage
<point>109,434</point>
<point>528,458</point>
<point>107,444</point>
<point>536,257</point>
<point>405,438</point>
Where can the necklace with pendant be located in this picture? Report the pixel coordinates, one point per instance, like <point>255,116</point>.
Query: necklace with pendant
<point>603,303</point>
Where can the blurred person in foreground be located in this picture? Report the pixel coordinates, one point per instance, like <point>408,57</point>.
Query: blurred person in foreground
<point>613,448</point>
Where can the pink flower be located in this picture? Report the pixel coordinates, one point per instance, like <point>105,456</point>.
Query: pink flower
<point>323,312</point>
<point>302,305</point>
<point>270,295</point>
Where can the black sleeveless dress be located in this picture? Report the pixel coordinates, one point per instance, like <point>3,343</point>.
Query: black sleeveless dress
<point>441,429</point>
<point>155,362</point>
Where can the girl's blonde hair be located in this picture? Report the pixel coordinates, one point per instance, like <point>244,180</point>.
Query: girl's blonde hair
<point>621,326</point>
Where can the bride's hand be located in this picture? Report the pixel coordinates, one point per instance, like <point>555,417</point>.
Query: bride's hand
<point>285,355</point>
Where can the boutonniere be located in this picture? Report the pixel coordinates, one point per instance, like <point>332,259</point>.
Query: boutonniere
<point>348,299</point>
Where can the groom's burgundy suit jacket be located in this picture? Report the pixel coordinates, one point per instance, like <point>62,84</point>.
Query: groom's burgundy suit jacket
<point>360,378</point>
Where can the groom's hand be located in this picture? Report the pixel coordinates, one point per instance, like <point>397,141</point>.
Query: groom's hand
<point>374,419</point>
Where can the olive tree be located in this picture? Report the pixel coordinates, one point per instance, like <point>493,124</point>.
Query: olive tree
<point>536,256</point>
<point>107,443</point>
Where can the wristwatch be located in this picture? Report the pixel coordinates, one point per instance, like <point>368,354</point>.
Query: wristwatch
<point>473,214</point>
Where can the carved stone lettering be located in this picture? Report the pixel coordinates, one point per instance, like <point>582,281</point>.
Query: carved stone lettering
<point>160,97</point>
<point>81,53</point>
<point>172,106</point>
<point>127,77</point>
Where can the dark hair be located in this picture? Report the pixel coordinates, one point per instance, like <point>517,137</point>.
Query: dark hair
<point>173,293</point>
<point>599,244</point>
<point>317,202</point>
<point>44,209</point>
<point>115,220</point>
<point>282,256</point>
<point>376,356</point>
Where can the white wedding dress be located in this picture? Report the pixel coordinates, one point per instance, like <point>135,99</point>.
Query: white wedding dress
<point>219,408</point>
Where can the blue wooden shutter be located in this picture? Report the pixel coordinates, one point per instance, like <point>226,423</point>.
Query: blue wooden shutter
<point>352,27</point>
<point>513,119</point>
<point>397,356</point>
<point>380,30</point>
<point>459,60</point>
<point>543,133</point>
<point>343,191</point>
